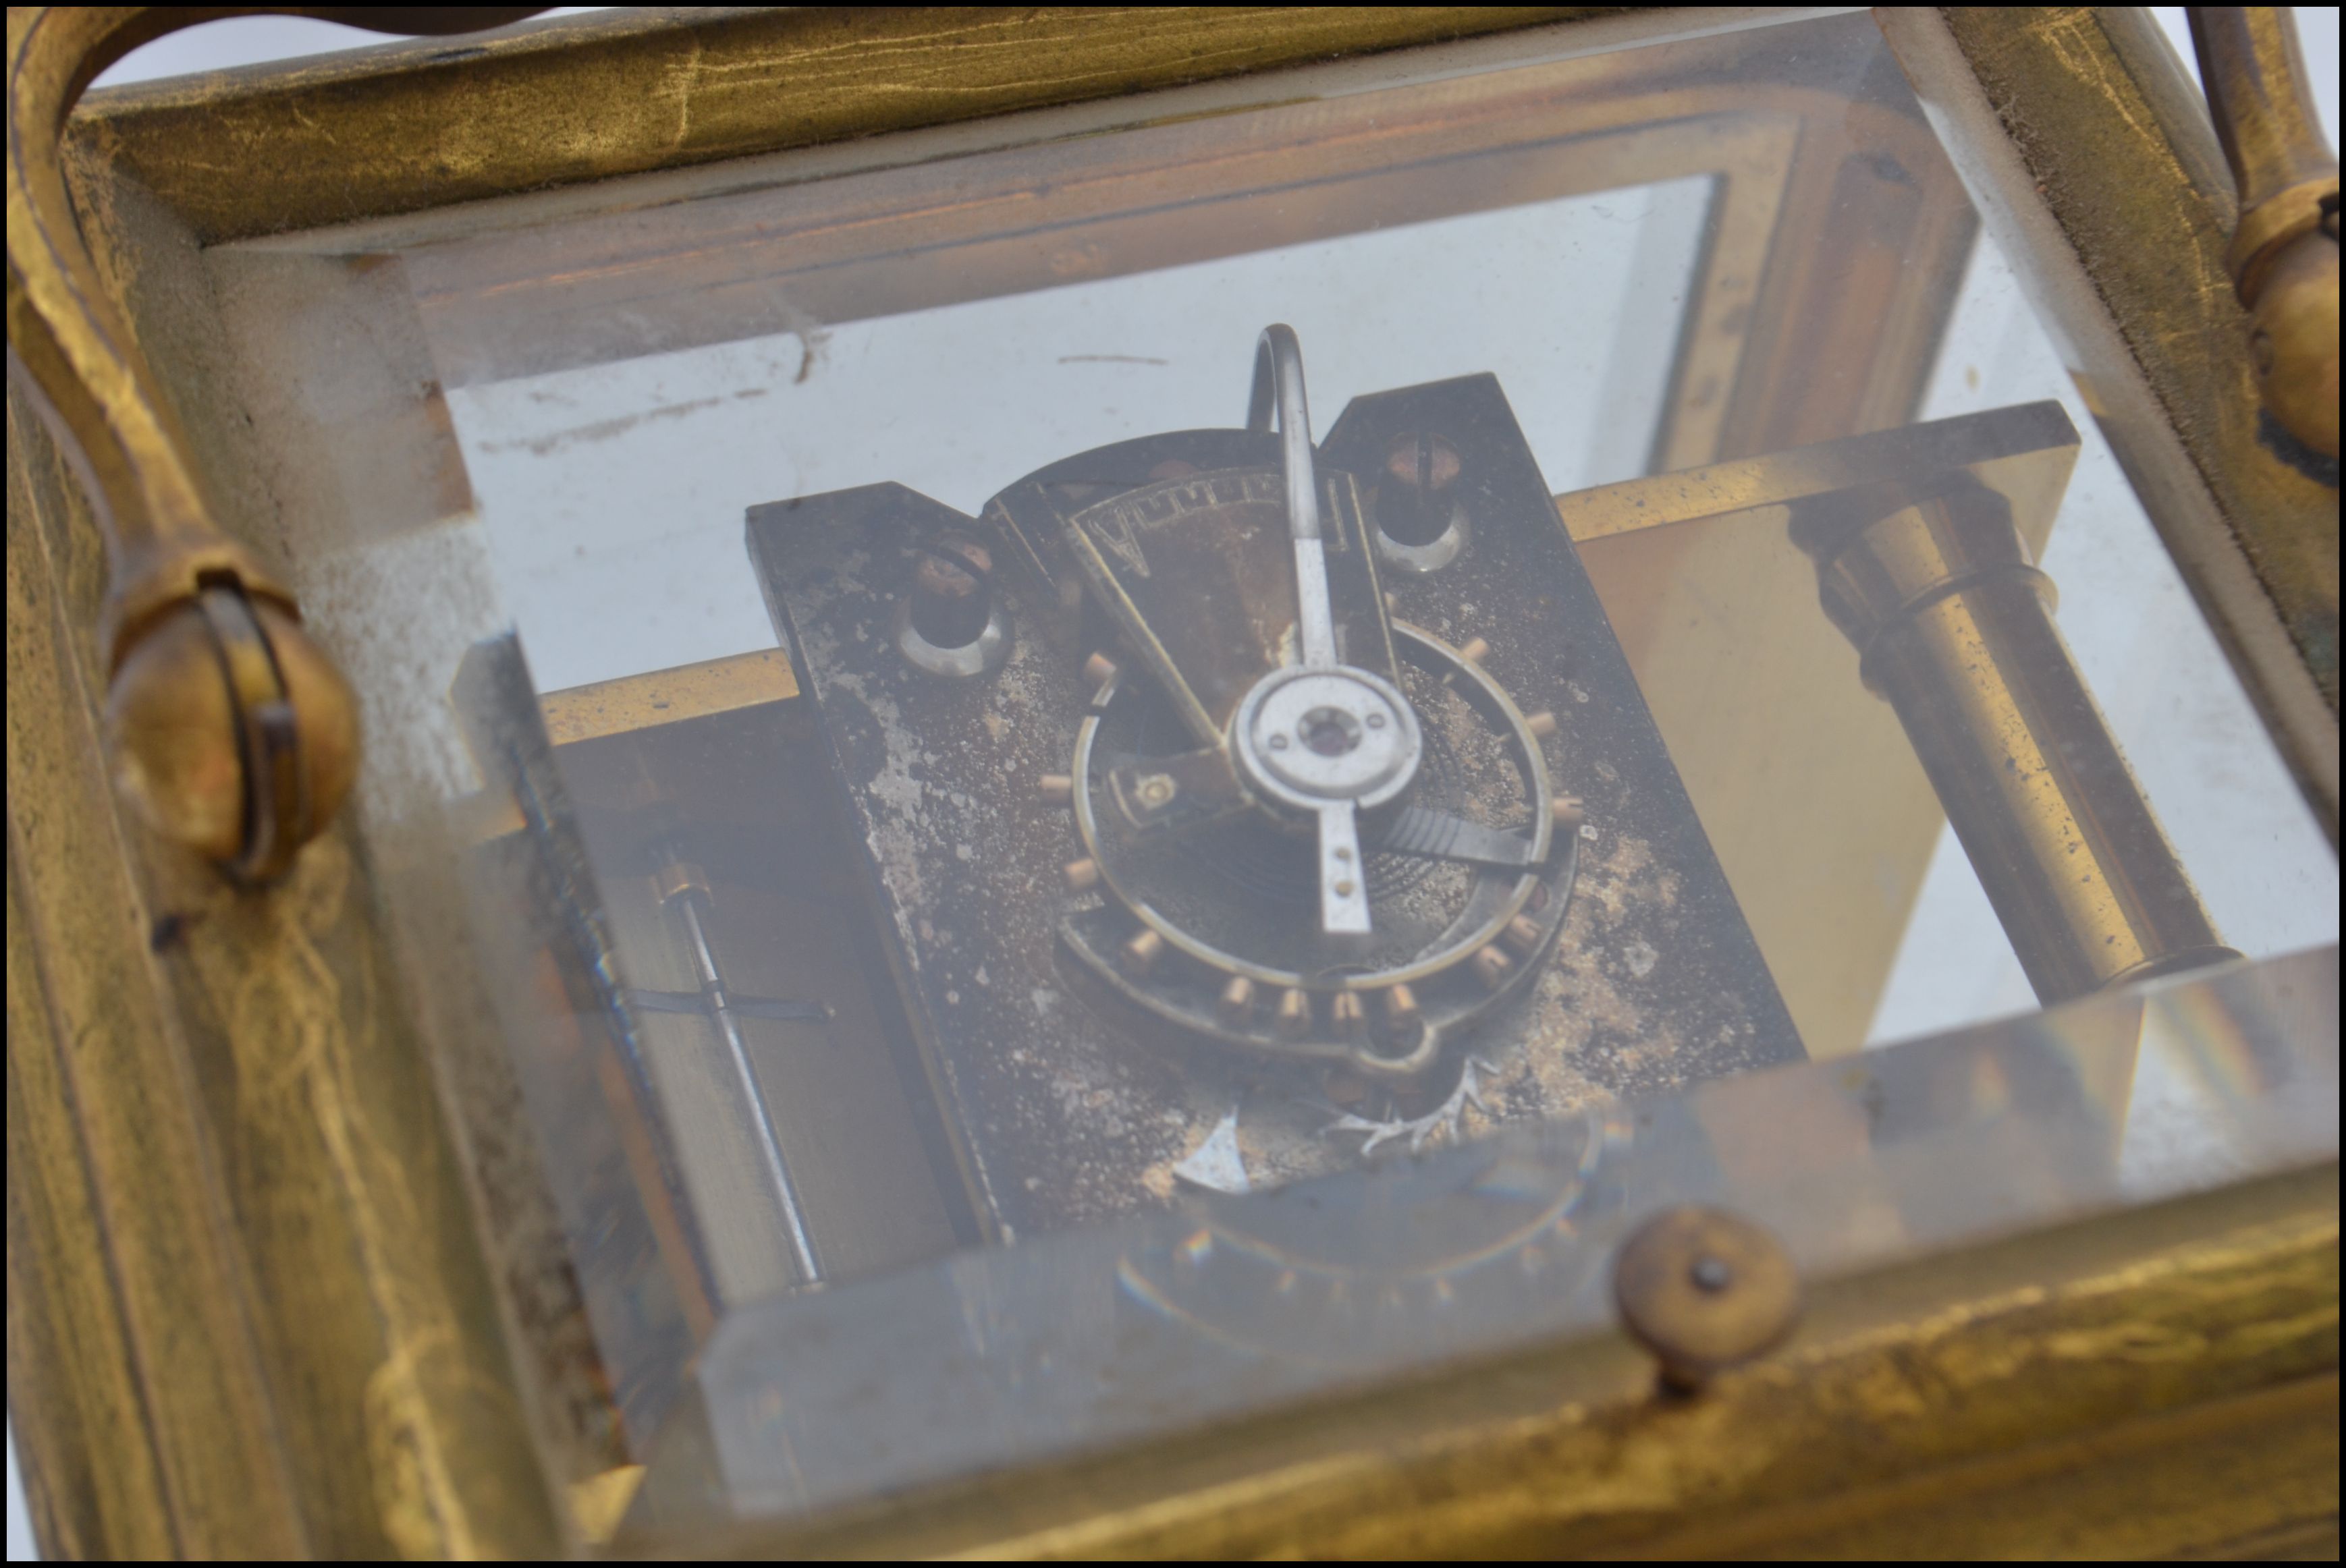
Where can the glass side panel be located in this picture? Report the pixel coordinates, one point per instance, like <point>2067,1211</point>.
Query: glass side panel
<point>1055,780</point>
<point>1024,1353</point>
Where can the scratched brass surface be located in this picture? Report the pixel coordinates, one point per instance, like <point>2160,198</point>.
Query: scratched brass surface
<point>1839,235</point>
<point>2093,162</point>
<point>1825,824</point>
<point>1933,580</point>
<point>2159,1383</point>
<point>229,731</point>
<point>590,97</point>
<point>249,1309</point>
<point>2284,252</point>
<point>243,756</point>
<point>311,1362</point>
<point>668,696</point>
<point>284,1344</point>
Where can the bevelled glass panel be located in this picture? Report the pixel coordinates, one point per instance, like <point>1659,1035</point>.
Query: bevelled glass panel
<point>1054,780</point>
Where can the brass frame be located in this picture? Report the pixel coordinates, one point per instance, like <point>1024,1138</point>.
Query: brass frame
<point>2094,162</point>
<point>259,1304</point>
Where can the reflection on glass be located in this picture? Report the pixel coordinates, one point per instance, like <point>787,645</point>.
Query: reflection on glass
<point>825,629</point>
<point>1099,1335</point>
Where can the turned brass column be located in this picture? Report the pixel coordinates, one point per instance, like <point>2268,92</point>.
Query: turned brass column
<point>2284,252</point>
<point>1954,627</point>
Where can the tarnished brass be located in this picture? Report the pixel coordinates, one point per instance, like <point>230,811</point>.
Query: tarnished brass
<point>1521,934</point>
<point>1704,1290</point>
<point>2284,252</point>
<point>250,1311</point>
<point>1350,1018</point>
<point>1294,1014</point>
<point>1952,622</point>
<point>2091,158</point>
<point>2160,1384</point>
<point>1236,1004</point>
<point>1922,537</point>
<point>233,735</point>
<point>312,1362</point>
<point>638,702</point>
<point>1825,841</point>
<point>1141,954</point>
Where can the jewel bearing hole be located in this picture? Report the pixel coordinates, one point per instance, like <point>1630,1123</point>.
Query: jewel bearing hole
<point>1330,731</point>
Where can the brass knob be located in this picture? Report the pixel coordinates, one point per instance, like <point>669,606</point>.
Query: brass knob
<point>229,730</point>
<point>2284,253</point>
<point>232,733</point>
<point>2294,343</point>
<point>1704,1290</point>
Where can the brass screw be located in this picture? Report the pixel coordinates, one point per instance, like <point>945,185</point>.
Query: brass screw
<point>1541,725</point>
<point>1522,933</point>
<point>1082,875</point>
<point>1491,966</point>
<point>1294,1014</point>
<point>1099,669</point>
<point>1235,1006</point>
<point>1401,1008</point>
<point>1344,1010</point>
<point>1141,954</point>
<point>1474,650</point>
<point>1432,460</point>
<point>1704,1290</point>
<point>1566,810</point>
<point>1056,788</point>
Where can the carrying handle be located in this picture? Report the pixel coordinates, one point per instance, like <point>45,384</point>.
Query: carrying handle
<point>2283,257</point>
<point>228,728</point>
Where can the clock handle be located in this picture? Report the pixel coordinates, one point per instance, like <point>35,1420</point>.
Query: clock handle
<point>1278,386</point>
<point>2284,252</point>
<point>230,730</point>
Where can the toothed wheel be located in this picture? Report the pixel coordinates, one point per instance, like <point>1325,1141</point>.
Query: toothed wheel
<point>1210,926</point>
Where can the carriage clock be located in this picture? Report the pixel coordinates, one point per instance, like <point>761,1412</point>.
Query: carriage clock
<point>1297,984</point>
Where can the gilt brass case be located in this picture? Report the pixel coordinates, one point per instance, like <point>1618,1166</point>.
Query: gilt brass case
<point>404,1198</point>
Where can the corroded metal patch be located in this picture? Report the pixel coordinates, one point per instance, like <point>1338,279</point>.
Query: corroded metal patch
<point>1067,1106</point>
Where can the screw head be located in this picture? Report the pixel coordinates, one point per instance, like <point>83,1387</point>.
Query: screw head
<point>951,596</point>
<point>1423,461</point>
<point>1704,1290</point>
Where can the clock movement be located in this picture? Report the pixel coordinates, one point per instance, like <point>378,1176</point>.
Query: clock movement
<point>1238,805</point>
<point>1175,781</point>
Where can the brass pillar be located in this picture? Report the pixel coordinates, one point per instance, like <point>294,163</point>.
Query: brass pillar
<point>1953,626</point>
